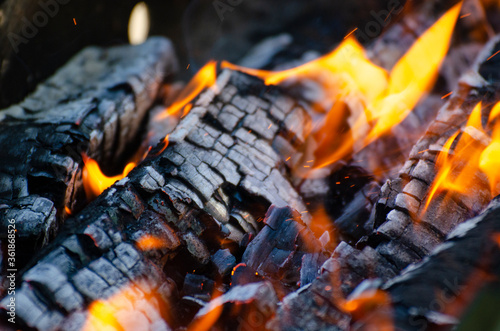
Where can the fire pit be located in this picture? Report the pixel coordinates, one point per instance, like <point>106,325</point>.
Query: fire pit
<point>334,169</point>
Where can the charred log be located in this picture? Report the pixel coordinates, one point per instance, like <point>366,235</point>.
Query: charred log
<point>402,222</point>
<point>433,294</point>
<point>204,192</point>
<point>97,105</point>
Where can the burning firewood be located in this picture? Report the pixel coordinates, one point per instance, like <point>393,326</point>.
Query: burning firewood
<point>395,242</point>
<point>184,240</point>
<point>419,208</point>
<point>207,189</point>
<point>96,105</point>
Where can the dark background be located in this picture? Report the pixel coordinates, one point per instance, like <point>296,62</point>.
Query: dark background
<point>200,30</point>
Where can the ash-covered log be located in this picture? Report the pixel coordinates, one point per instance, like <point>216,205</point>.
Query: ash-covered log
<point>431,295</point>
<point>205,191</point>
<point>96,104</point>
<point>436,292</point>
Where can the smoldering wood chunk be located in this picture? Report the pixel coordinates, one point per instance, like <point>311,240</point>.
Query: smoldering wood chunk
<point>355,265</point>
<point>224,261</point>
<point>243,306</point>
<point>278,251</point>
<point>198,286</point>
<point>172,214</point>
<point>95,104</point>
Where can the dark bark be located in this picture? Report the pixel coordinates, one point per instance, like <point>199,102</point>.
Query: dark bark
<point>97,105</point>
<point>214,181</point>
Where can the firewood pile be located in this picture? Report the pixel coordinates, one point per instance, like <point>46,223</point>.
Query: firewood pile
<point>297,187</point>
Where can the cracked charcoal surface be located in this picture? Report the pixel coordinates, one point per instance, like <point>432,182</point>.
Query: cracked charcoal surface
<point>210,183</point>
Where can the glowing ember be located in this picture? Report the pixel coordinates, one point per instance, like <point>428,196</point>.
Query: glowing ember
<point>378,100</point>
<point>374,303</point>
<point>203,79</point>
<point>94,181</point>
<point>114,313</point>
<point>149,242</point>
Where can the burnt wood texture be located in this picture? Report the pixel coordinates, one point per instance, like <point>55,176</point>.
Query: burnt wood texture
<point>430,295</point>
<point>210,186</point>
<point>96,104</point>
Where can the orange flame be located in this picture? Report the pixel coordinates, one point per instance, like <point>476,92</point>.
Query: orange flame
<point>489,161</point>
<point>474,153</point>
<point>377,100</point>
<point>94,181</point>
<point>204,78</point>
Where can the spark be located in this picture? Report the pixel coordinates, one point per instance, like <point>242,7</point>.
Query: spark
<point>446,95</point>
<point>310,161</point>
<point>493,55</point>
<point>465,15</point>
<point>188,66</point>
<point>270,126</point>
<point>288,159</point>
<point>74,20</point>
<point>389,15</point>
<point>350,33</point>
<point>68,211</point>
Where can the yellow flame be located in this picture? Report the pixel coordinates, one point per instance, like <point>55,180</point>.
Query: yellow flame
<point>204,78</point>
<point>414,74</point>
<point>345,70</point>
<point>351,79</point>
<point>474,153</point>
<point>94,181</point>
